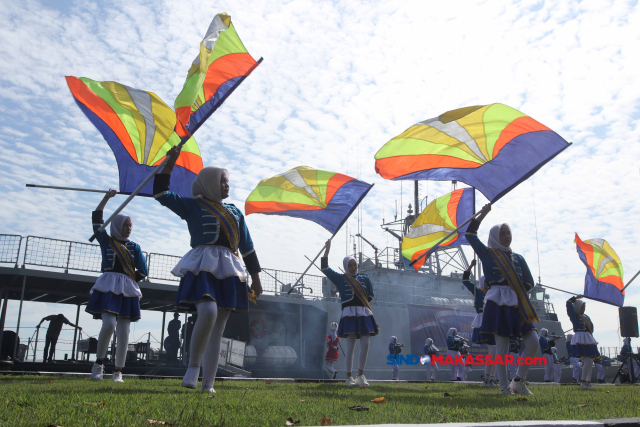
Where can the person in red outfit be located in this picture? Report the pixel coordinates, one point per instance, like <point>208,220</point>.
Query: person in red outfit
<point>333,341</point>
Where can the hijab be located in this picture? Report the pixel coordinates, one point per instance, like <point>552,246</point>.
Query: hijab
<point>544,332</point>
<point>481,283</point>
<point>333,328</point>
<point>569,336</point>
<point>452,332</point>
<point>116,227</point>
<point>577,305</point>
<point>428,342</point>
<point>494,238</point>
<point>207,183</point>
<point>345,265</point>
<point>626,341</point>
<point>553,349</point>
<point>393,340</point>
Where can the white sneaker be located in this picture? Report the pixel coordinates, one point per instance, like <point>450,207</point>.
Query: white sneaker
<point>506,391</point>
<point>350,381</point>
<point>117,377</point>
<point>519,387</point>
<point>586,386</point>
<point>97,372</point>
<point>361,381</point>
<point>208,387</point>
<point>190,379</point>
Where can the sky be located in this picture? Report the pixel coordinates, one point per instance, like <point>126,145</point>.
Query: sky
<point>338,80</point>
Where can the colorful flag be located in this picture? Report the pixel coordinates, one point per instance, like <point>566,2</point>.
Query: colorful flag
<point>604,280</point>
<point>326,198</point>
<point>139,128</point>
<point>223,63</point>
<point>492,148</point>
<point>439,218</point>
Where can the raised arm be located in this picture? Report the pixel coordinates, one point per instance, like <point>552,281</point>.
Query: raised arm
<point>472,235</point>
<point>161,183</point>
<point>466,276</point>
<point>112,193</point>
<point>96,218</point>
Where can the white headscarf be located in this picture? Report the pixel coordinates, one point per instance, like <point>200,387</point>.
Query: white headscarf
<point>345,264</point>
<point>577,305</point>
<point>569,336</point>
<point>116,227</point>
<point>393,340</point>
<point>452,332</point>
<point>544,332</point>
<point>481,284</point>
<point>428,342</point>
<point>207,183</point>
<point>626,341</point>
<point>494,238</point>
<point>553,349</point>
<point>333,328</point>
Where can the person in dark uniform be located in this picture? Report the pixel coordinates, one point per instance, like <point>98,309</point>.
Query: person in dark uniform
<point>55,326</point>
<point>172,342</point>
<point>187,331</point>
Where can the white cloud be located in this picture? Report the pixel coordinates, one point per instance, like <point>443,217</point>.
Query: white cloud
<point>338,80</point>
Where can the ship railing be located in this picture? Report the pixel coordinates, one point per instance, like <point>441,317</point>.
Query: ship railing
<point>10,248</point>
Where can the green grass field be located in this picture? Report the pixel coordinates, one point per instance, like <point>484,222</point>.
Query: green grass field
<point>44,401</point>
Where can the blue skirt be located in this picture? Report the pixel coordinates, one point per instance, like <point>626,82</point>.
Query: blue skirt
<point>229,293</point>
<point>503,320</point>
<point>118,305</point>
<point>584,350</point>
<point>477,338</point>
<point>359,325</point>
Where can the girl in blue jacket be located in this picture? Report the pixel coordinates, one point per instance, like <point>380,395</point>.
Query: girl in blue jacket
<point>357,320</point>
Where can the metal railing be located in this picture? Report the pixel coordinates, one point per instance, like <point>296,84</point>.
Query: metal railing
<point>10,248</point>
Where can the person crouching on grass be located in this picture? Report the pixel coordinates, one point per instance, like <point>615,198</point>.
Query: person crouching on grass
<point>507,310</point>
<point>357,320</point>
<point>115,297</point>
<point>213,281</point>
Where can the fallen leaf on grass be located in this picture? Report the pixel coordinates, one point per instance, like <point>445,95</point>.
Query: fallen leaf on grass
<point>290,422</point>
<point>160,423</point>
<point>211,396</point>
<point>426,386</point>
<point>521,399</point>
<point>359,408</point>
<point>325,421</point>
<point>447,395</point>
<point>608,392</point>
<point>267,382</point>
<point>95,404</point>
<point>55,425</point>
<point>302,401</point>
<point>582,406</point>
<point>363,387</point>
<point>379,400</point>
<point>51,382</point>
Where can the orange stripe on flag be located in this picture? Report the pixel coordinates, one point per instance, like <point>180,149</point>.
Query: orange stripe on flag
<point>393,167</point>
<point>189,161</point>
<point>452,207</point>
<point>268,207</point>
<point>224,69</point>
<point>335,182</point>
<point>516,128</point>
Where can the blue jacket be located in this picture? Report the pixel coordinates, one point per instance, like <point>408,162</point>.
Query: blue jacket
<point>203,227</point>
<point>479,293</point>
<point>394,349</point>
<point>491,271</point>
<point>452,344</point>
<point>544,345</point>
<point>569,348</point>
<point>346,293</point>
<point>576,320</point>
<point>430,350</point>
<point>110,262</point>
<point>624,353</point>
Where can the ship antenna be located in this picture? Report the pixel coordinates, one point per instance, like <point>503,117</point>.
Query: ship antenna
<point>535,222</point>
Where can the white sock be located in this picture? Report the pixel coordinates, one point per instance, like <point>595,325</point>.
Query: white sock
<point>212,352</point>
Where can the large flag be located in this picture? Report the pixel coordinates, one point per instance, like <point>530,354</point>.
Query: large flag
<point>490,147</point>
<point>139,128</point>
<point>604,280</point>
<point>440,217</point>
<point>223,63</point>
<point>326,198</point>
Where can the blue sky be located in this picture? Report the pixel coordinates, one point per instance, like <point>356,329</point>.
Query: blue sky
<point>338,80</point>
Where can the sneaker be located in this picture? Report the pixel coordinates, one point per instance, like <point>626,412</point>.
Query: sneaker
<point>190,379</point>
<point>487,383</point>
<point>350,381</point>
<point>506,391</point>
<point>586,386</point>
<point>361,381</point>
<point>208,387</point>
<point>335,373</point>
<point>458,379</point>
<point>519,387</point>
<point>97,372</point>
<point>117,377</point>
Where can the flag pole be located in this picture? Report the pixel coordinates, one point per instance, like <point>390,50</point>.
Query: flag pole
<point>560,290</point>
<point>445,238</point>
<point>88,190</point>
<point>330,239</point>
<point>629,282</point>
<point>134,193</point>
